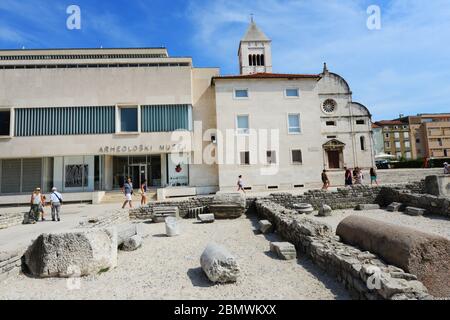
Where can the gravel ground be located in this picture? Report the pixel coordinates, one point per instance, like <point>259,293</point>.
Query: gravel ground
<point>169,268</point>
<point>439,225</point>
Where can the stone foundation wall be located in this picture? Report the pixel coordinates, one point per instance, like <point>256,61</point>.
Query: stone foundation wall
<point>10,219</point>
<point>343,198</point>
<point>432,204</point>
<point>352,267</point>
<point>145,213</point>
<point>10,263</point>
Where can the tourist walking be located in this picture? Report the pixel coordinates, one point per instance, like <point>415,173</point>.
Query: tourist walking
<point>240,184</point>
<point>144,193</point>
<point>359,179</point>
<point>42,207</point>
<point>373,176</point>
<point>325,180</point>
<point>36,202</point>
<point>446,168</point>
<point>128,192</point>
<point>348,177</point>
<point>56,202</point>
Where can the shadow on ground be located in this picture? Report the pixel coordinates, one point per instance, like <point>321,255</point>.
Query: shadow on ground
<point>329,282</point>
<point>198,278</point>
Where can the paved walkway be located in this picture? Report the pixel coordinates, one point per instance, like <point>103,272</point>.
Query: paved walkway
<point>20,236</point>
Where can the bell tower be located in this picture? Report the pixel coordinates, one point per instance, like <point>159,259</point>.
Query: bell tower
<point>255,51</point>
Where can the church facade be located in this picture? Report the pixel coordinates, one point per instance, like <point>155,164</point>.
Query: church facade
<point>85,119</point>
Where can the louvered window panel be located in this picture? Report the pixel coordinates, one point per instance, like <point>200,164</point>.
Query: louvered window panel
<point>166,118</point>
<point>31,122</point>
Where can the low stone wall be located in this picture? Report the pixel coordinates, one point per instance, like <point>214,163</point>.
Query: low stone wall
<point>145,213</point>
<point>354,268</point>
<point>10,219</point>
<point>10,263</point>
<point>432,204</point>
<point>343,198</point>
<point>114,217</point>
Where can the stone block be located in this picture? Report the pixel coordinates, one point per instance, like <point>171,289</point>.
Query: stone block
<point>228,205</point>
<point>303,208</point>
<point>284,250</point>
<point>265,226</point>
<point>363,207</point>
<point>160,214</point>
<point>325,211</point>
<point>219,264</point>
<point>72,253</point>
<point>132,244</point>
<point>412,211</point>
<point>206,218</point>
<point>172,227</point>
<point>394,207</point>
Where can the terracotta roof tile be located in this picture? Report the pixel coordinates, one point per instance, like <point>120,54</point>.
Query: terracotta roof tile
<point>389,122</point>
<point>268,76</point>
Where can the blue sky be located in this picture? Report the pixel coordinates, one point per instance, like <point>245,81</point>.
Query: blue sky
<point>402,68</point>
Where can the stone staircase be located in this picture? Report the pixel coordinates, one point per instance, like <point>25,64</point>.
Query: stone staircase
<point>118,196</point>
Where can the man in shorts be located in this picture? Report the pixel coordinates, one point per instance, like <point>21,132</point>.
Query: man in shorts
<point>128,192</point>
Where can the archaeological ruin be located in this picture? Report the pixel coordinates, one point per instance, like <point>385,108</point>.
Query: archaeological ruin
<point>372,259</point>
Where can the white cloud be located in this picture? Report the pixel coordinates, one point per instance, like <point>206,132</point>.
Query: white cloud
<point>402,66</point>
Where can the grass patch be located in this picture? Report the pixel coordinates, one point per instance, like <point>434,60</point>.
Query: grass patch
<point>103,270</point>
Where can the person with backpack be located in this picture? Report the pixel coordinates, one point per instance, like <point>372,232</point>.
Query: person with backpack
<point>56,202</point>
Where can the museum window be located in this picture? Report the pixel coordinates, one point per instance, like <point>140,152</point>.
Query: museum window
<point>241,93</point>
<point>294,124</point>
<point>5,123</point>
<point>292,93</point>
<point>129,121</point>
<point>271,157</point>
<point>297,156</point>
<point>242,124</point>
<point>245,158</point>
<point>362,141</point>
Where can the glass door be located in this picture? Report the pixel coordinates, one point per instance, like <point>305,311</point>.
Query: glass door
<point>138,174</point>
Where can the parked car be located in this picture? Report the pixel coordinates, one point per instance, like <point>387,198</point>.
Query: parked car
<point>382,164</point>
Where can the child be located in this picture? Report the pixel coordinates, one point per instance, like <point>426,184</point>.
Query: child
<point>42,206</point>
